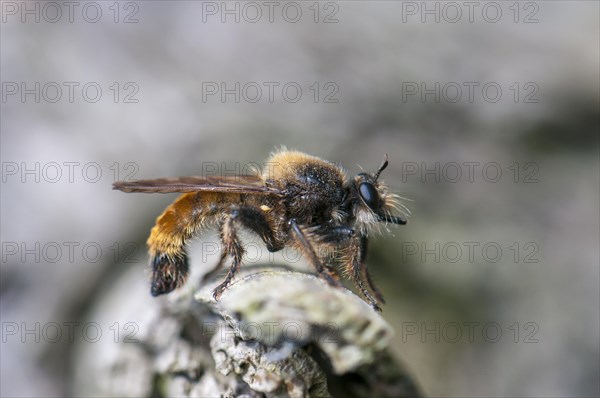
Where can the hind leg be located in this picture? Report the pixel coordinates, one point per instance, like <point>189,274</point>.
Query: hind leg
<point>248,217</point>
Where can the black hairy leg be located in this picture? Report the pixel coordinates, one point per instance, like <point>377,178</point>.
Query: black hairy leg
<point>357,267</point>
<point>254,220</point>
<point>332,238</point>
<point>301,238</point>
<point>364,243</point>
<point>231,246</point>
<point>336,235</point>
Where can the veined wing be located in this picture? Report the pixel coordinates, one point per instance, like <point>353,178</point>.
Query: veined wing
<point>233,184</point>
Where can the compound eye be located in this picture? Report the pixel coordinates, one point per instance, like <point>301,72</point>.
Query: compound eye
<point>369,194</point>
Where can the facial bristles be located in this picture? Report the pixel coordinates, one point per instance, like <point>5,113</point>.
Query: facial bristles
<point>367,221</point>
<point>394,201</point>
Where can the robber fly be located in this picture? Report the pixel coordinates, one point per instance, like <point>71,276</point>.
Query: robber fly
<point>302,201</point>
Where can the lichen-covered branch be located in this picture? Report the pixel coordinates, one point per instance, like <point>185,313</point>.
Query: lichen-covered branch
<point>274,333</point>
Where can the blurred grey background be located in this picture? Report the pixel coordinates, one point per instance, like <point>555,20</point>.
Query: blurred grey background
<point>493,286</point>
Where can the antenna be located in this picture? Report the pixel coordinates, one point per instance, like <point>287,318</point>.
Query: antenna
<point>382,167</point>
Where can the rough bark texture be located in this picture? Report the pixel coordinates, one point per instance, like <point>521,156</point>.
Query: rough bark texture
<point>274,333</point>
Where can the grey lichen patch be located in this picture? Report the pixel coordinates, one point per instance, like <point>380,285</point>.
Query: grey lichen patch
<point>277,306</point>
<point>292,373</point>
